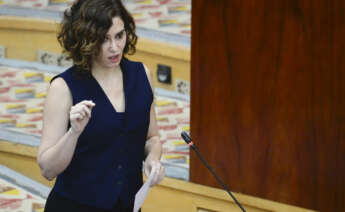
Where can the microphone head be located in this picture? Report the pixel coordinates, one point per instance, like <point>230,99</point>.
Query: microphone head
<point>186,137</point>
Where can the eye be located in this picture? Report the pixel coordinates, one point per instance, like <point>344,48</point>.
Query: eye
<point>106,39</point>
<point>119,35</point>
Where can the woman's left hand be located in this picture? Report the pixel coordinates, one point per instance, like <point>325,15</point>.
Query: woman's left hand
<point>156,166</point>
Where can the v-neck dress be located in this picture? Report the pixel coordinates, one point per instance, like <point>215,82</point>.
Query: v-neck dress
<point>107,162</point>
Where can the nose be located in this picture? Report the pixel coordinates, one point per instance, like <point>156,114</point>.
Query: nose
<point>114,46</point>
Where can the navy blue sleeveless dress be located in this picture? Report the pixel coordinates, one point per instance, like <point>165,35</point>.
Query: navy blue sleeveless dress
<point>107,163</point>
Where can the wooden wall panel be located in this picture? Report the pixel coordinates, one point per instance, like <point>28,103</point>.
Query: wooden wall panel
<point>171,195</point>
<point>268,98</point>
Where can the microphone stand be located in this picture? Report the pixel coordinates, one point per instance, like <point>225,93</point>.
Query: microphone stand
<point>189,141</point>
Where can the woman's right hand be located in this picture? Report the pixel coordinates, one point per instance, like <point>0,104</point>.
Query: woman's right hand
<point>80,115</point>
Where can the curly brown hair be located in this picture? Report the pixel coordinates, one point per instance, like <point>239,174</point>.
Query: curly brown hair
<point>84,28</point>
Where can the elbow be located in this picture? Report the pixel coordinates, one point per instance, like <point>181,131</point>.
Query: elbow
<point>48,176</point>
<point>46,173</point>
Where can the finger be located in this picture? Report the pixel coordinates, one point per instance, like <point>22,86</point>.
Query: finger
<point>82,109</point>
<point>88,103</point>
<point>158,176</point>
<point>91,103</point>
<point>81,115</point>
<point>82,112</point>
<point>147,170</point>
<point>75,117</point>
<point>152,169</point>
<point>75,108</point>
<point>155,173</point>
<point>148,167</point>
<point>73,112</point>
<point>87,111</point>
<point>161,174</point>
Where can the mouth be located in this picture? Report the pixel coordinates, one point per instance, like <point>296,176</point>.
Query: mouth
<point>114,58</point>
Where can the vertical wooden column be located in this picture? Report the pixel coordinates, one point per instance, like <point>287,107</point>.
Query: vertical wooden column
<point>268,98</point>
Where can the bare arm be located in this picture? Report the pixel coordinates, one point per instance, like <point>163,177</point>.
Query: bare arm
<point>153,147</point>
<point>58,143</point>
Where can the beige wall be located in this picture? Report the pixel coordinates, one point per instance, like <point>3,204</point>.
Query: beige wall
<point>23,37</point>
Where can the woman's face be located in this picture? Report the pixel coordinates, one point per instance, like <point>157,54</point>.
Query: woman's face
<point>111,50</point>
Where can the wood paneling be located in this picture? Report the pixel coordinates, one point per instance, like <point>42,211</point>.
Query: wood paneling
<point>171,195</point>
<point>268,98</point>
<point>22,159</point>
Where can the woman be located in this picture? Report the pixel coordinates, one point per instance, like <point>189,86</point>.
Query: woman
<point>99,121</point>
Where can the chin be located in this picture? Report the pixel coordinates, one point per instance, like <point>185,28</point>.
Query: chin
<point>115,65</point>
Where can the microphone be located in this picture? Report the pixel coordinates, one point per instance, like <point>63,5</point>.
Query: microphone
<point>189,141</point>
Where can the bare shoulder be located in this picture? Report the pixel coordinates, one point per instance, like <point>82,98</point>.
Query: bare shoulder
<point>148,74</point>
<point>58,94</point>
<point>58,84</point>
